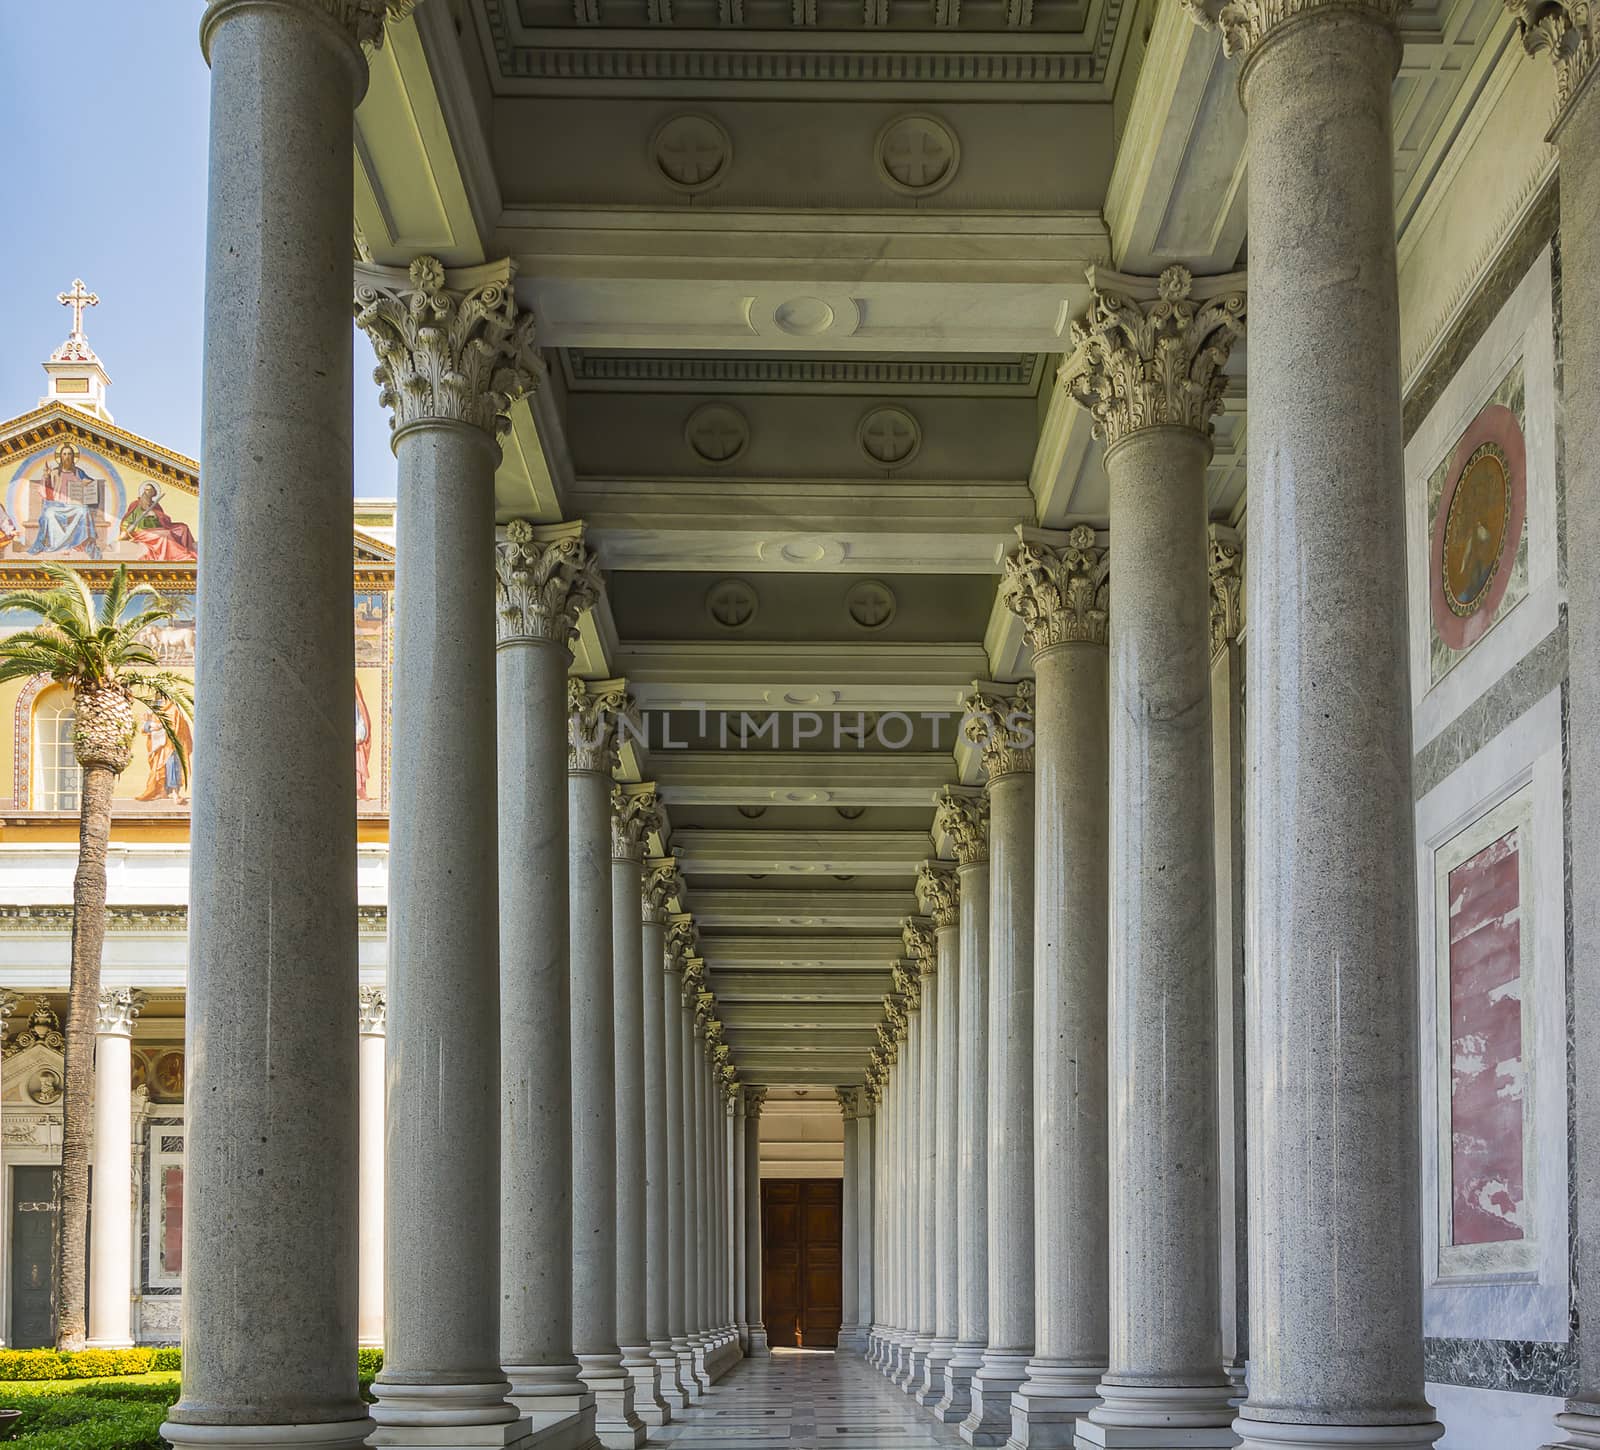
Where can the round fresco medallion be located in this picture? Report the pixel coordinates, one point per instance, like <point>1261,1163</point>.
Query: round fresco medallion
<point>167,1081</point>
<point>1478,527</point>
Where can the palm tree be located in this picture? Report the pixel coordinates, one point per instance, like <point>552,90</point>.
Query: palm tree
<point>94,652</point>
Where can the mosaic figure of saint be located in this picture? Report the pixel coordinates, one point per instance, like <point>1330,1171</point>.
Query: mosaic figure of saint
<point>164,779</point>
<point>68,512</point>
<point>149,526</point>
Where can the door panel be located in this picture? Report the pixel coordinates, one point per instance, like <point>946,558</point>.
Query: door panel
<point>802,1222</point>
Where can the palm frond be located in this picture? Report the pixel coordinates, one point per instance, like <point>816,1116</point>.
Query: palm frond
<point>169,698</point>
<point>75,588</point>
<point>116,595</point>
<point>43,602</point>
<point>25,665</point>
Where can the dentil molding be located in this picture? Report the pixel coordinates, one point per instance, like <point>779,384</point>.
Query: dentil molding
<point>1059,585</point>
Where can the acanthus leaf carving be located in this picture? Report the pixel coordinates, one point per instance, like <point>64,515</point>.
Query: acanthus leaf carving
<point>1225,561</point>
<point>117,1009</point>
<point>1245,23</point>
<point>597,712</point>
<point>939,892</point>
<point>635,816</point>
<point>962,817</point>
<point>1568,31</point>
<point>1059,586</point>
<point>373,1011</point>
<point>545,577</point>
<point>663,884</point>
<point>1002,728</point>
<point>921,947</point>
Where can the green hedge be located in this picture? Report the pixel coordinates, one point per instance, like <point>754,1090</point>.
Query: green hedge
<point>64,1416</point>
<point>90,1364</point>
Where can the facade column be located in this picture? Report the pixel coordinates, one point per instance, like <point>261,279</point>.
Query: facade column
<point>923,948</point>
<point>699,1218</point>
<point>452,355</point>
<point>594,716</point>
<point>273,872</point>
<point>866,1204</point>
<point>9,1002</point>
<point>545,578</point>
<point>1058,585</point>
<point>939,896</point>
<point>1003,728</point>
<point>658,981</point>
<point>741,1241</point>
<point>908,980</point>
<point>754,1097</point>
<point>369,1276</point>
<point>635,817</point>
<point>692,1361</point>
<point>849,1247</point>
<point>879,1070</point>
<point>962,819</point>
<point>890,1035</point>
<point>1568,33</point>
<point>679,990</point>
<point>111,1223</point>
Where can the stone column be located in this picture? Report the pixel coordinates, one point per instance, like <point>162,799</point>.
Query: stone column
<point>635,816</point>
<point>754,1097</point>
<point>939,896</point>
<point>1058,585</point>
<point>699,1216</point>
<point>962,819</point>
<point>594,713</point>
<point>924,949</point>
<point>879,1079</point>
<point>866,1167</point>
<point>689,1359</point>
<point>1567,32</point>
<point>849,1247</point>
<point>273,870</point>
<point>907,1367</point>
<point>1148,366</point>
<point>9,1002</point>
<point>452,356</point>
<point>740,1221</point>
<point>658,981</point>
<point>545,578</point>
<point>111,1223</point>
<point>1004,730</point>
<point>890,1035</point>
<point>369,1276</point>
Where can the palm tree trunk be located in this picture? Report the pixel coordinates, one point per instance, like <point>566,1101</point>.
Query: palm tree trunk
<point>83,1002</point>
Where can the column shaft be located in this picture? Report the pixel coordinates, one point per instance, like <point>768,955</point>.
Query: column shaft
<point>866,1168</point>
<point>850,1249</point>
<point>659,1318</point>
<point>111,1223</point>
<point>926,1384</point>
<point>671,990</point>
<point>945,1114</point>
<point>909,1213</point>
<point>369,1319</point>
<point>752,1209</point>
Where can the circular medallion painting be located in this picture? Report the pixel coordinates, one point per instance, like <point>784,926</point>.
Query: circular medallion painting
<point>1478,527</point>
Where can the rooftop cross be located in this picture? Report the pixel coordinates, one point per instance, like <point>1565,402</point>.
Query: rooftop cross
<point>77,300</point>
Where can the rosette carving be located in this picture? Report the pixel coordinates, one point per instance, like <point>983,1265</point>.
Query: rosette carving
<point>663,884</point>
<point>963,818</point>
<point>1225,559</point>
<point>451,346</point>
<point>635,815</point>
<point>1059,586</point>
<point>596,713</point>
<point>1151,354</point>
<point>545,577</point>
<point>939,892</point>
<point>1244,23</point>
<point>1001,728</point>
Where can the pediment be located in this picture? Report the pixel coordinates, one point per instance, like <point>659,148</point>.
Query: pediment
<point>26,1081</point>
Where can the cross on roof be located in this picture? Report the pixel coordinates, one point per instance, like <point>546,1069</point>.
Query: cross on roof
<point>77,300</point>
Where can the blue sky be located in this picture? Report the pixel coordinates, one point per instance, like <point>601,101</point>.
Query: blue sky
<point>103,104</point>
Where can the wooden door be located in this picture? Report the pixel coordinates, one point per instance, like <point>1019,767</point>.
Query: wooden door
<point>802,1238</point>
<point>35,1191</point>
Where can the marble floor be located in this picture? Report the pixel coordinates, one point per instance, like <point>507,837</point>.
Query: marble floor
<point>802,1400</point>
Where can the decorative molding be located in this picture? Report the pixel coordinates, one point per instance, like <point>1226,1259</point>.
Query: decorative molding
<point>117,1010</point>
<point>43,1030</point>
<point>545,577</point>
<point>732,603</point>
<point>917,154</point>
<point>588,368</point>
<point>1151,353</point>
<point>451,345</point>
<point>692,152</point>
<point>754,1099</point>
<point>596,713</point>
<point>717,433</point>
<point>373,1011</point>
<point>663,884</point>
<point>1225,557</point>
<point>1001,728</point>
<point>635,817</point>
<point>921,946</point>
<point>9,1002</point>
<point>1569,32</point>
<point>870,603</point>
<point>939,892</point>
<point>1059,586</point>
<point>962,818</point>
<point>1244,24</point>
<point>888,436</point>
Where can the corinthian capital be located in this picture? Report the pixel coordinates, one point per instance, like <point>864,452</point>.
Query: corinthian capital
<point>939,892</point>
<point>962,818</point>
<point>1059,586</point>
<point>663,884</point>
<point>889,1031</point>
<point>545,576</point>
<point>635,816</point>
<point>1568,31</point>
<point>373,1011</point>
<point>451,346</point>
<point>1245,23</point>
<point>1151,353</point>
<point>117,1009</point>
<point>916,935</point>
<point>849,1101</point>
<point>596,713</point>
<point>361,20</point>
<point>1002,728</point>
<point>754,1098</point>
<point>682,938</point>
<point>1225,558</point>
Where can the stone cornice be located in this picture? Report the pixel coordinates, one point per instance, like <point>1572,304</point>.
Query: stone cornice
<point>373,1011</point>
<point>545,577</point>
<point>595,712</point>
<point>1225,559</point>
<point>1244,24</point>
<point>635,817</point>
<point>1151,353</point>
<point>1059,585</point>
<point>117,1009</point>
<point>962,818</point>
<point>1002,728</point>
<point>939,893</point>
<point>1568,31</point>
<point>451,345</point>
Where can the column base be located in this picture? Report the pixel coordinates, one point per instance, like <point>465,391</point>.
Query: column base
<point>916,1365</point>
<point>900,1356</point>
<point>445,1416</point>
<point>616,1426</point>
<point>1281,1435</point>
<point>930,1389</point>
<point>1054,1397</point>
<point>1580,1427</point>
<point>874,1345</point>
<point>744,1338</point>
<point>687,1377</point>
<point>645,1373</point>
<point>1166,1417</point>
<point>955,1404</point>
<point>341,1435</point>
<point>672,1388</point>
<point>1000,1376</point>
<point>852,1339</point>
<point>556,1405</point>
<point>759,1348</point>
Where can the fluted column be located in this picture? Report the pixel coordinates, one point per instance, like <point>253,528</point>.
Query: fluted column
<point>594,713</point>
<point>663,1320</point>
<point>635,817</point>
<point>754,1097</point>
<point>273,869</point>
<point>111,1223</point>
<point>545,578</point>
<point>453,353</point>
<point>909,982</point>
<point>962,818</point>
<point>849,1246</point>
<point>369,1317</point>
<point>1058,585</point>
<point>939,896</point>
<point>1566,33</point>
<point>1004,730</point>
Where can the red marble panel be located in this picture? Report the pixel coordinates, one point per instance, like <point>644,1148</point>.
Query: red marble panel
<point>1486,1050</point>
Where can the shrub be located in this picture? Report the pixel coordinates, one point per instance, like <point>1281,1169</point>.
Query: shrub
<point>50,1364</point>
<point>167,1357</point>
<point>369,1362</point>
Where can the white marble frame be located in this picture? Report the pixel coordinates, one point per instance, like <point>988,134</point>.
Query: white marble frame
<point>165,1119</point>
<point>1530,1304</point>
<point>1518,1257</point>
<point>1524,329</point>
